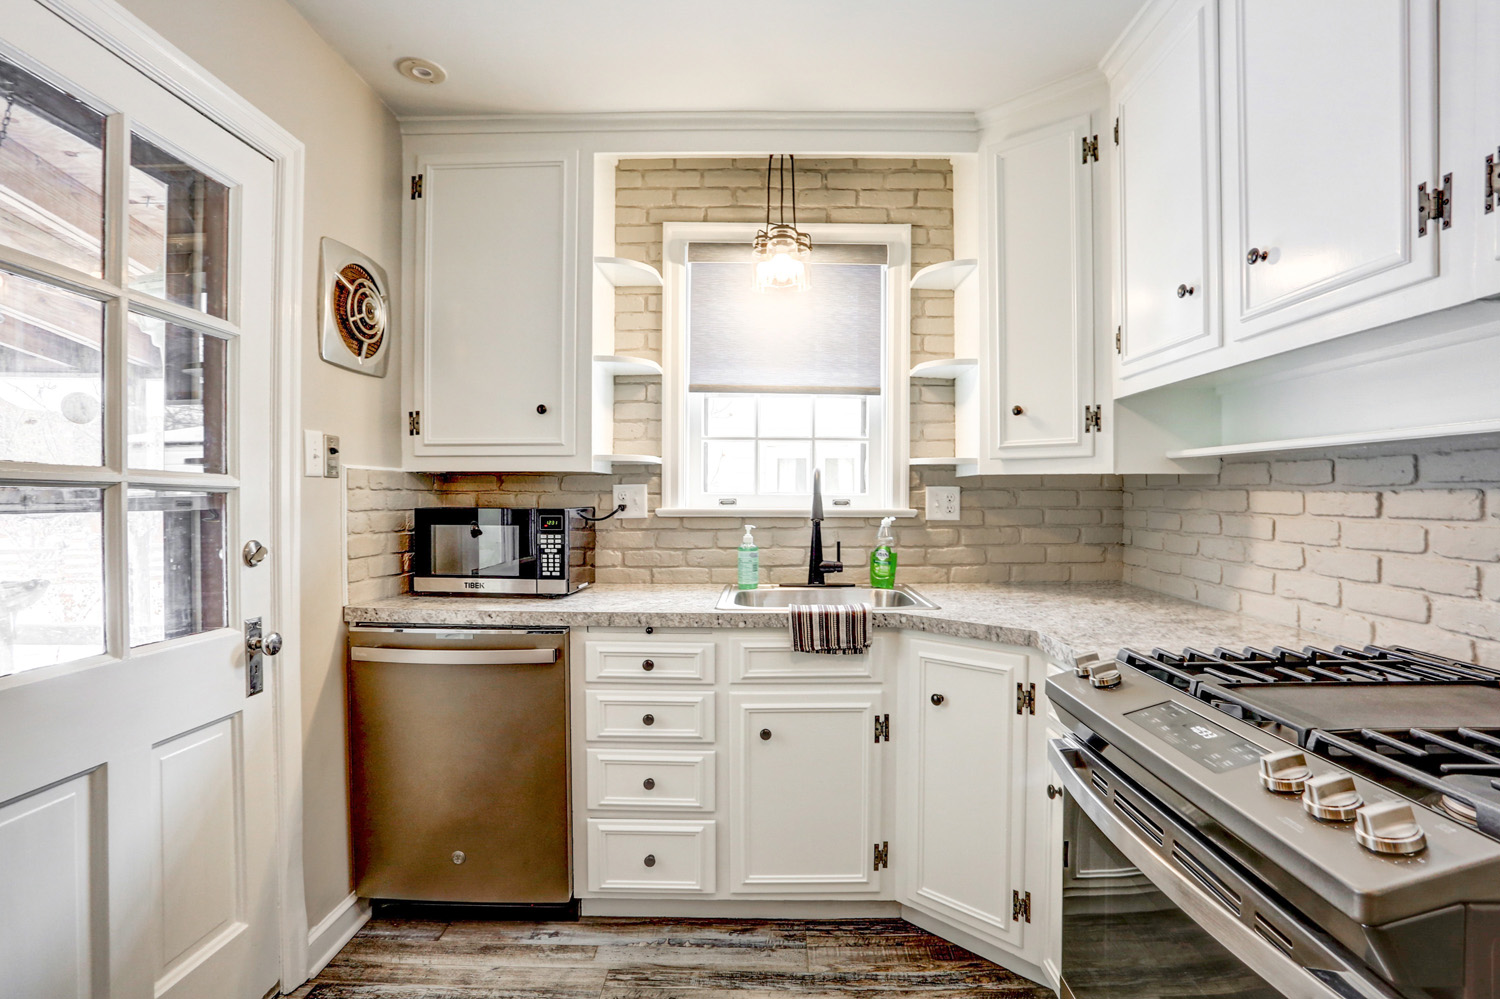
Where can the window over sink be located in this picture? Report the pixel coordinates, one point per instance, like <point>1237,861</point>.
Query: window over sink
<point>764,387</point>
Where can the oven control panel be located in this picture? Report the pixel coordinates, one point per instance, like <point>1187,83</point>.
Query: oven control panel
<point>1196,737</point>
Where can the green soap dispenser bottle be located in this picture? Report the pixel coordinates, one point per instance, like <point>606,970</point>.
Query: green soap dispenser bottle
<point>749,570</point>
<point>883,558</point>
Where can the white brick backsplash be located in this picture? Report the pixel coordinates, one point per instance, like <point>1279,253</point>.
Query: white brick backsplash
<point>1398,548</point>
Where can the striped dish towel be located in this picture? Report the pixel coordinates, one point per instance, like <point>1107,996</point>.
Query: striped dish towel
<point>831,629</point>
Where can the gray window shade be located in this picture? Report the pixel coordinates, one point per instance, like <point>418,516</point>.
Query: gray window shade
<point>823,340</point>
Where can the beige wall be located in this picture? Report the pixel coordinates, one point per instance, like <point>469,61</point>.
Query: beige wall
<point>1399,545</point>
<point>265,51</point>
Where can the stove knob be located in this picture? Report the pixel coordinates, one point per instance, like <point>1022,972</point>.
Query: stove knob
<point>1332,798</point>
<point>1285,772</point>
<point>1104,675</point>
<point>1082,664</point>
<point>1390,827</point>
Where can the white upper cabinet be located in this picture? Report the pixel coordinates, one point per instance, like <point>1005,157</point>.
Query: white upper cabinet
<point>1041,353</point>
<point>1167,191</point>
<point>1485,34</point>
<point>1330,116</point>
<point>494,350</point>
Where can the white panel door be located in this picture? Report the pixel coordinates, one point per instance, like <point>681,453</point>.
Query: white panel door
<point>496,337</point>
<point>137,772</point>
<point>1043,360</point>
<point>1330,124</point>
<point>963,773</point>
<point>806,792</point>
<point>1168,183</point>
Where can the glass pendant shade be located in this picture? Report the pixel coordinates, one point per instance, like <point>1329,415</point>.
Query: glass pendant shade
<point>781,252</point>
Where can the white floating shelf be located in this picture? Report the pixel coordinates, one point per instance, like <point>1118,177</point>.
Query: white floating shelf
<point>944,276</point>
<point>946,367</point>
<point>620,364</point>
<point>628,459</point>
<point>1339,440</point>
<point>623,273</point>
<point>944,461</point>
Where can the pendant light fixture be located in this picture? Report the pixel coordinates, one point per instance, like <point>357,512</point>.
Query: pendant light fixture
<point>781,252</point>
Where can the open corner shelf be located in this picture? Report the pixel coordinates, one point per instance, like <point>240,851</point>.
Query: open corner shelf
<point>944,276</point>
<point>946,367</point>
<point>623,273</point>
<point>620,364</point>
<point>628,459</point>
<point>1341,440</point>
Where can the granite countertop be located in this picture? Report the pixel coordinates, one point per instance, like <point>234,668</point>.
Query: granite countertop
<point>1063,620</point>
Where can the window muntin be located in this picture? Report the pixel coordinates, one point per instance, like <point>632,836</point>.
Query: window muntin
<point>772,452</point>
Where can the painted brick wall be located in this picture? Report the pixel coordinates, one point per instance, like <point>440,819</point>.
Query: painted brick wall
<point>1396,545</point>
<point>915,192</point>
<point>1011,529</point>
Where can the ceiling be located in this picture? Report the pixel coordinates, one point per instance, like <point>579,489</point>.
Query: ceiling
<point>717,55</point>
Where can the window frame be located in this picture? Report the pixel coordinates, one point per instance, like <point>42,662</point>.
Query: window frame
<point>889,486</point>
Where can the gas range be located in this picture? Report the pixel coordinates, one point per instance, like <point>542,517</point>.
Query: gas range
<point>1341,804</point>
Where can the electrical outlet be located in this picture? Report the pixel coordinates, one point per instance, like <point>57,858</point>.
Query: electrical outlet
<point>330,456</point>
<point>634,498</point>
<point>312,454</point>
<point>942,502</point>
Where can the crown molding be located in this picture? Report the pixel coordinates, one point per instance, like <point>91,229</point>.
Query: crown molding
<point>960,123</point>
<point>1057,90</point>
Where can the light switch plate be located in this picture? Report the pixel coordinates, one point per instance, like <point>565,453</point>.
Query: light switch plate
<point>942,502</point>
<point>634,498</point>
<point>312,453</point>
<point>330,456</point>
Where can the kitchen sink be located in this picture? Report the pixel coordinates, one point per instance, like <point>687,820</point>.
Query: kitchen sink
<point>780,597</point>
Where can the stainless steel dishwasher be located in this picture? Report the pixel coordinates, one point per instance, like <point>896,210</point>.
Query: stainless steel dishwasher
<point>458,762</point>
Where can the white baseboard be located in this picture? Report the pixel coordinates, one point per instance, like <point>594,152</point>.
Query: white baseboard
<point>334,930</point>
<point>737,908</point>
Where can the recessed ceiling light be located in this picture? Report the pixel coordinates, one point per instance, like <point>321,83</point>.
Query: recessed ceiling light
<point>422,70</point>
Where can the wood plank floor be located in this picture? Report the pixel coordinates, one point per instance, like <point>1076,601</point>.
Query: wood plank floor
<point>659,959</point>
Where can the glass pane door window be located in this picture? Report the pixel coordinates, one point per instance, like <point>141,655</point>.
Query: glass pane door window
<point>117,348</point>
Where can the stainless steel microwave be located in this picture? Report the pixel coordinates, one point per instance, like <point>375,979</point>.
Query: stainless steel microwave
<point>503,550</point>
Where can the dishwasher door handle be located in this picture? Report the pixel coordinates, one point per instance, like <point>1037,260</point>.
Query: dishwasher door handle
<point>454,657</point>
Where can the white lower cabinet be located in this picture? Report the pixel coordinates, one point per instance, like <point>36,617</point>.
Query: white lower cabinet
<point>806,777</point>
<point>963,775</point>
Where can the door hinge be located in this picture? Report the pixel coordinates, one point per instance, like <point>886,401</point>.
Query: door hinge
<point>1025,698</point>
<point>882,855</point>
<point>882,728</point>
<point>1117,131</point>
<point>1491,182</point>
<point>416,187</point>
<point>1091,148</point>
<point>1092,418</point>
<point>1119,333</point>
<point>414,423</point>
<point>1020,907</point>
<point>1435,206</point>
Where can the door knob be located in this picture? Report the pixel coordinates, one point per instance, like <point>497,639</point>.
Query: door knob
<point>270,644</point>
<point>1016,411</point>
<point>254,553</point>
<point>1256,254</point>
<point>765,735</point>
<point>648,719</point>
<point>937,698</point>
<point>1184,290</point>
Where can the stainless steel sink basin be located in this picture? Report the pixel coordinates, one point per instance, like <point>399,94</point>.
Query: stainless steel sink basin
<point>781,597</point>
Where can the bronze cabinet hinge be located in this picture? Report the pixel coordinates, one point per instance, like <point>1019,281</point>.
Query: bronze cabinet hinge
<point>416,187</point>
<point>1025,698</point>
<point>882,855</point>
<point>414,423</point>
<point>1020,907</point>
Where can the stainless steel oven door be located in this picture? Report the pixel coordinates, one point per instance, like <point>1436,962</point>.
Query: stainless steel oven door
<point>1152,909</point>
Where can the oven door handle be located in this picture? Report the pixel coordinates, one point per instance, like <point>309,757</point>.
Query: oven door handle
<point>1337,980</point>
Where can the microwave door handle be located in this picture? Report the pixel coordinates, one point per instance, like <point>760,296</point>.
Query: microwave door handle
<point>455,657</point>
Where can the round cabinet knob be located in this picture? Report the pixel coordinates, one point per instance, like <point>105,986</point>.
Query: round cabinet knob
<point>648,665</point>
<point>1016,411</point>
<point>650,860</point>
<point>648,719</point>
<point>1256,255</point>
<point>1053,791</point>
<point>938,698</point>
<point>1390,827</point>
<point>1184,290</point>
<point>541,410</point>
<point>458,857</point>
<point>1285,772</point>
<point>649,783</point>
<point>1332,798</point>
<point>765,735</point>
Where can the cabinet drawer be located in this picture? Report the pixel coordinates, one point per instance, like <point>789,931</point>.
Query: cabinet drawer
<point>769,658</point>
<point>651,856</point>
<point>680,662</point>
<point>618,714</point>
<point>638,779</point>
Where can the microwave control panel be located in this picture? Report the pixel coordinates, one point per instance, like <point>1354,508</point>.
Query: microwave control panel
<point>550,546</point>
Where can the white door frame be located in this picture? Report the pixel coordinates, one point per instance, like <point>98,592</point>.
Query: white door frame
<point>115,28</point>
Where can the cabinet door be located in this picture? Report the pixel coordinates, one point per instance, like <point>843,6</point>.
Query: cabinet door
<point>1168,183</point>
<point>807,793</point>
<point>1331,121</point>
<point>496,332</point>
<point>963,781</point>
<point>1486,82</point>
<point>1042,362</point>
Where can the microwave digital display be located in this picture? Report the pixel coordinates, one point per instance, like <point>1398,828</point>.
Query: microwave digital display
<point>549,523</point>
